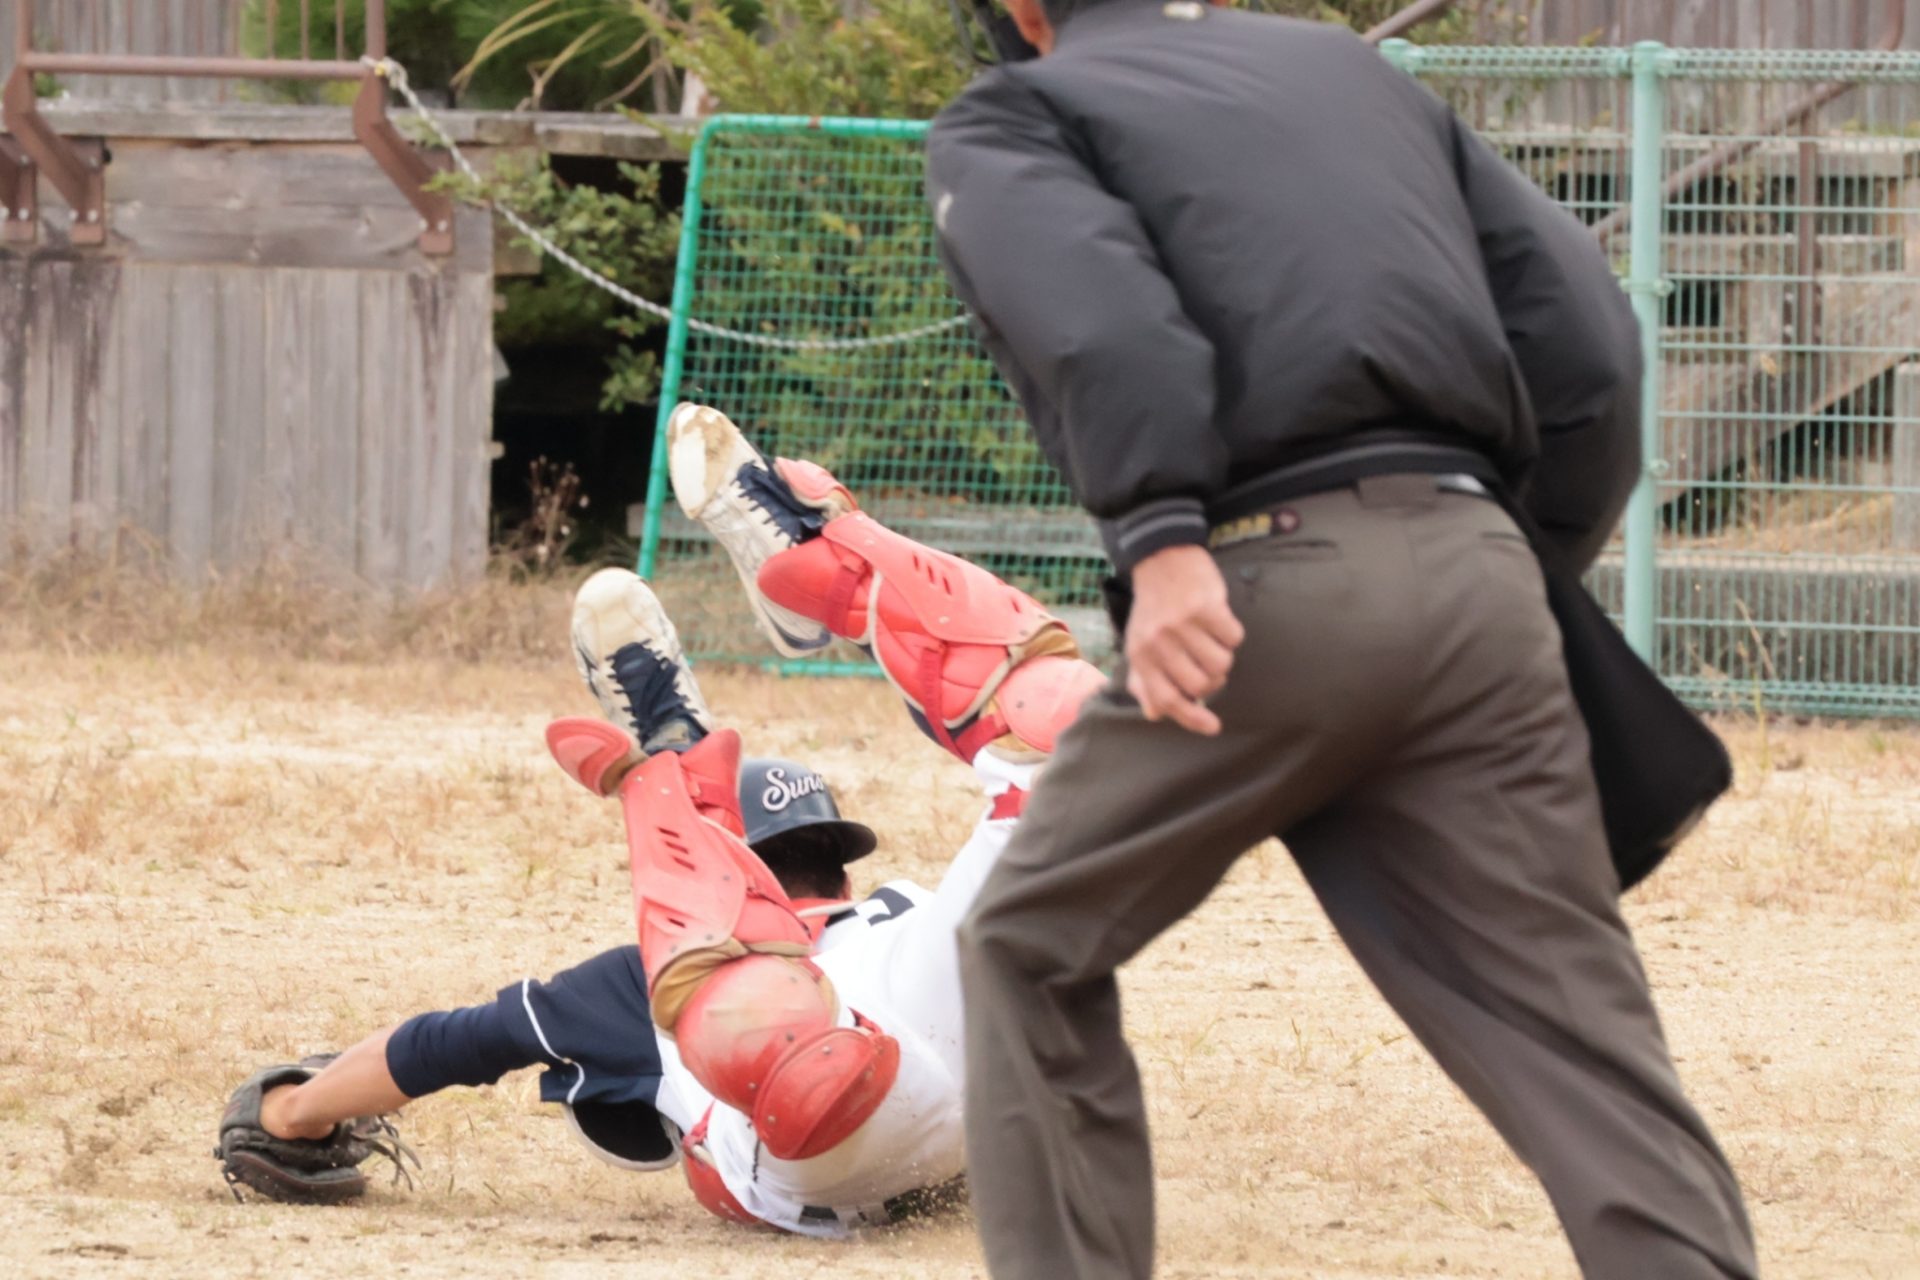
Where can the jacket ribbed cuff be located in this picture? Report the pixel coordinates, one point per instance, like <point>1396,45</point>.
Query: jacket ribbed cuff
<point>1154,526</point>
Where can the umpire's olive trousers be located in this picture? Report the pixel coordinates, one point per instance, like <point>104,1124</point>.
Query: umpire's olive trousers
<point>1399,715</point>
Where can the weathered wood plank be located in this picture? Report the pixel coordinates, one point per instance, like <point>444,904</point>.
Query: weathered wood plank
<point>46,500</point>
<point>472,395</point>
<point>87,317</point>
<point>434,434</point>
<point>143,399</point>
<point>193,344</point>
<point>13,388</point>
<point>570,133</point>
<point>349,237</point>
<point>241,176</point>
<point>30,515</point>
<point>325,206</point>
<point>240,408</point>
<point>285,428</point>
<point>97,509</point>
<point>330,513</point>
<point>384,365</point>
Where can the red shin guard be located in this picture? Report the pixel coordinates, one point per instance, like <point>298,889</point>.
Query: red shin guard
<point>956,641</point>
<point>726,962</point>
<point>700,896</point>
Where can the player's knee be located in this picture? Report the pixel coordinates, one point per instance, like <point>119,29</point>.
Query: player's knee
<point>743,1016</point>
<point>1042,696</point>
<point>761,1035</point>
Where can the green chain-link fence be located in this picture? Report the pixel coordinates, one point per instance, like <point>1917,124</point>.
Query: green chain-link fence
<point>1763,209</point>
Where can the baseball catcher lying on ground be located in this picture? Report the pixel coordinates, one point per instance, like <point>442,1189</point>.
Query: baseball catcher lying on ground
<point>797,1053</point>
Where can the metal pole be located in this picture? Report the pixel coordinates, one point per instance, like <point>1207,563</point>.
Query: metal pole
<point>142,64</point>
<point>1402,55</point>
<point>376,28</point>
<point>683,265</point>
<point>1648,285</point>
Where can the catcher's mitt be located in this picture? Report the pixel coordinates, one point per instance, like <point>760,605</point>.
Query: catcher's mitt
<point>302,1170</point>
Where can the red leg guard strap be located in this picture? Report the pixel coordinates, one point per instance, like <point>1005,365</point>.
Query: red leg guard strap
<point>712,767</point>
<point>845,601</point>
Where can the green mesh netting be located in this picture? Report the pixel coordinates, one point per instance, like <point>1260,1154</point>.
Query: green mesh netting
<point>827,236</point>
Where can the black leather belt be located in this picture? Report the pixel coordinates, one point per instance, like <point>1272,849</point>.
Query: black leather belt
<point>1281,519</point>
<point>1336,465</point>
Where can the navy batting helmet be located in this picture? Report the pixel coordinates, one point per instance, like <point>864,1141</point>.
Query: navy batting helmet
<point>781,796</point>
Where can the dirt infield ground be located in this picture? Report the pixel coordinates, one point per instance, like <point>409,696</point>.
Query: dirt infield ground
<point>210,861</point>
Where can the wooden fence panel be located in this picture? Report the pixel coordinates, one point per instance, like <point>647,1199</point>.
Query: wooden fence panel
<point>241,510</point>
<point>471,402</point>
<point>235,413</point>
<point>64,328</point>
<point>192,339</point>
<point>142,400</point>
<point>287,375</point>
<point>384,373</point>
<point>330,434</point>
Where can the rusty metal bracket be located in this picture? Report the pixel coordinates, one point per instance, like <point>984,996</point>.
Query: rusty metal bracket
<point>409,170</point>
<point>77,170</point>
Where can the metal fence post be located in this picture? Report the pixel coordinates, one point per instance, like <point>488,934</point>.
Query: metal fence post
<point>1648,285</point>
<point>683,265</point>
<point>1400,54</point>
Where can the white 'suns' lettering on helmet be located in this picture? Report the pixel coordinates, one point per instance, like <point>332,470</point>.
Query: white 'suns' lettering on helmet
<point>780,792</point>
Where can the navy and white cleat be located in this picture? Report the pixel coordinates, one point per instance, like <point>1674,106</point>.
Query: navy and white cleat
<point>726,484</point>
<point>630,656</point>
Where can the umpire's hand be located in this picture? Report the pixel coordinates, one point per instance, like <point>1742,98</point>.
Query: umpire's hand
<point>1180,637</point>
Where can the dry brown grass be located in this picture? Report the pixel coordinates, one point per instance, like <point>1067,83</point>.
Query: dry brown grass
<point>221,843</point>
<point>1838,524</point>
<point>79,602</point>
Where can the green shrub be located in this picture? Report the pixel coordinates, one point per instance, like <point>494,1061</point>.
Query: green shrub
<point>567,56</point>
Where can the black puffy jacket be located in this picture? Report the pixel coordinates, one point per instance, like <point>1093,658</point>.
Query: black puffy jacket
<point>1197,240</point>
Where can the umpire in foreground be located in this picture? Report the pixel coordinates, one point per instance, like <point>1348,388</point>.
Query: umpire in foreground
<point>1282,321</point>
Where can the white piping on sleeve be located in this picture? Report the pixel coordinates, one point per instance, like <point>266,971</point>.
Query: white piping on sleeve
<point>526,986</point>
